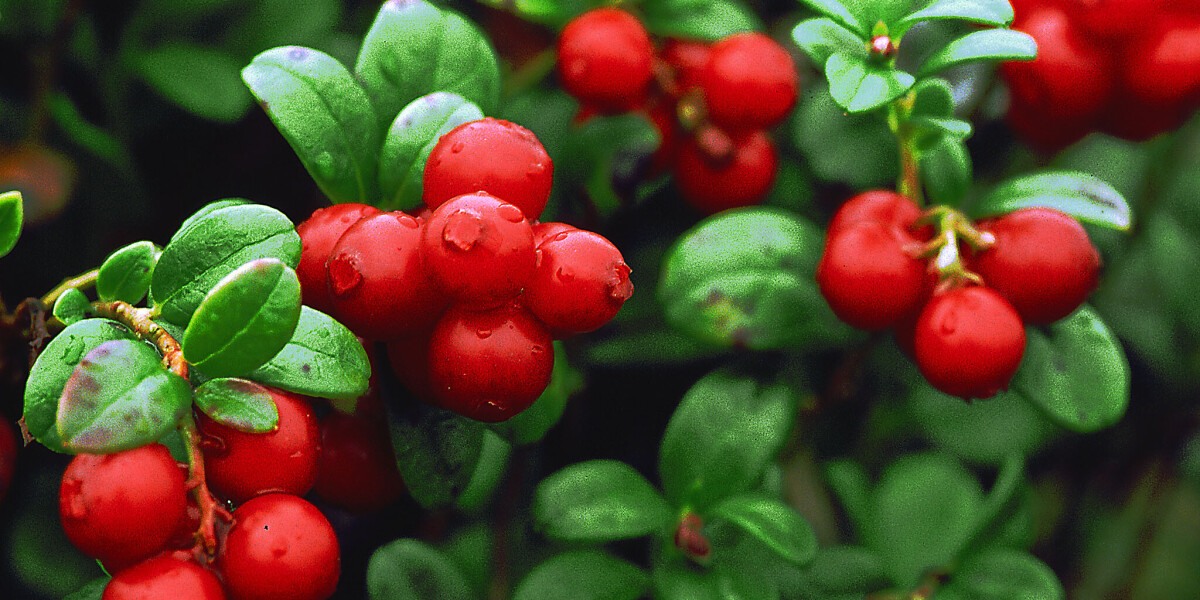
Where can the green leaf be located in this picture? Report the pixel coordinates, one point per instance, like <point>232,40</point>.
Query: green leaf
<point>414,48</point>
<point>212,247</point>
<point>598,501</point>
<point>989,44</point>
<point>1080,195</point>
<point>858,86</point>
<point>94,590</point>
<point>54,367</point>
<point>245,319</point>
<point>553,13</point>
<point>96,140</point>
<point>932,97</point>
<point>866,154</point>
<point>708,20</point>
<point>823,37</point>
<point>583,575</point>
<point>998,13</point>
<point>125,274</point>
<point>322,359</point>
<point>325,116</point>
<point>11,218</point>
<point>771,522</point>
<point>532,423</point>
<point>202,80</point>
<point>677,580</point>
<point>1077,373</point>
<point>204,211</point>
<point>846,570</point>
<point>946,170</point>
<point>413,570</point>
<point>981,432</point>
<point>120,397</point>
<point>1003,573</point>
<point>437,451</point>
<point>721,437</point>
<point>237,403</point>
<point>409,141</point>
<point>71,307</point>
<point>489,472</point>
<point>600,144</point>
<point>842,15</point>
<point>849,482</point>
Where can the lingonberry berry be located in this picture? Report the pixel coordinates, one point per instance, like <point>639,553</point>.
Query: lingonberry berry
<point>969,342</point>
<point>490,365</point>
<point>604,59</point>
<point>242,465</point>
<point>580,283</point>
<point>711,186</point>
<point>687,59</point>
<point>868,276</point>
<point>377,281</point>
<point>318,234</point>
<point>545,231</point>
<point>1042,262</point>
<point>490,155</point>
<point>357,470</point>
<point>749,82</point>
<point>409,358</point>
<point>479,250</point>
<point>884,206</point>
<point>164,576</point>
<point>280,547</point>
<point>8,456</point>
<point>1160,77</point>
<point>122,507</point>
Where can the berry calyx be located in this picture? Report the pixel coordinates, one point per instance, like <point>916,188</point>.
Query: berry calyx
<point>580,283</point>
<point>968,342</point>
<point>868,276</point>
<point>750,83</point>
<point>164,576</point>
<point>280,547</point>
<point>605,60</point>
<point>743,180</point>
<point>318,234</point>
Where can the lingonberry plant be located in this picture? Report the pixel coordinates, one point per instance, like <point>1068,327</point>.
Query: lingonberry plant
<point>896,331</point>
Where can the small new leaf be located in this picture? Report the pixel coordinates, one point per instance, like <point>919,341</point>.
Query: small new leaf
<point>598,501</point>
<point>822,37</point>
<point>858,86</point>
<point>588,574</point>
<point>989,44</point>
<point>409,141</point>
<point>125,274</point>
<point>322,359</point>
<point>71,307</point>
<point>837,11</point>
<point>238,403</point>
<point>1085,197</point>
<point>771,522</point>
<point>998,13</point>
<point>11,218</point>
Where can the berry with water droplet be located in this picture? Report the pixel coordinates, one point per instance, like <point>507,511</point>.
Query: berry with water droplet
<point>968,342</point>
<point>495,156</point>
<point>165,576</point>
<point>604,59</point>
<point>580,283</point>
<point>318,234</point>
<point>280,547</point>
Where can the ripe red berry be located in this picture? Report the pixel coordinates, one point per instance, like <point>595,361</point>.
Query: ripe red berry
<point>1042,262</point>
<point>494,156</point>
<point>479,250</point>
<point>8,457</point>
<point>377,280</point>
<point>122,507</point>
<point>749,83</point>
<point>969,342</point>
<point>318,234</point>
<point>687,59</point>
<point>1160,76</point>
<point>357,470</point>
<point>243,465</point>
<point>491,365</point>
<point>409,358</point>
<point>868,278</point>
<point>884,206</point>
<point>279,548</point>
<point>164,576</point>
<point>604,59</point>
<point>545,231</point>
<point>743,180</point>
<point>580,283</point>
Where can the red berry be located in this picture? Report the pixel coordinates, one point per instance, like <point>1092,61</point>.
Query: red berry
<point>1042,262</point>
<point>377,279</point>
<point>279,548</point>
<point>749,82</point>
<point>969,342</point>
<point>479,250</point>
<point>318,234</point>
<point>868,278</point>
<point>580,283</point>
<point>8,456</point>
<point>243,465</point>
<point>409,358</point>
<point>662,117</point>
<point>1160,73</point>
<point>491,365</point>
<point>545,231</point>
<point>493,156</point>
<point>357,470</point>
<point>164,576</point>
<point>687,59</point>
<point>604,59</point>
<point>122,507</point>
<point>882,206</point>
<point>743,180</point>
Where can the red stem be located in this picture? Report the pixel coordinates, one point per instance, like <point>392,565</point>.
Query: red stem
<point>210,507</point>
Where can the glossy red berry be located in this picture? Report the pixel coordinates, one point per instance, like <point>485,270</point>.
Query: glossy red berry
<point>8,457</point>
<point>491,365</point>
<point>580,283</point>
<point>868,277</point>
<point>378,281</point>
<point>494,156</point>
<point>969,342</point>
<point>545,231</point>
<point>1042,262</point>
<point>743,180</point>
<point>604,60</point>
<point>318,234</point>
<point>122,507</point>
<point>357,470</point>
<point>749,82</point>
<point>280,547</point>
<point>164,576</point>
<point>687,59</point>
<point>409,358</point>
<point>242,465</point>
<point>1160,76</point>
<point>479,250</point>
<point>884,206</point>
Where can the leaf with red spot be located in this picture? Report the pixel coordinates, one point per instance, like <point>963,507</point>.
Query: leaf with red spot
<point>238,403</point>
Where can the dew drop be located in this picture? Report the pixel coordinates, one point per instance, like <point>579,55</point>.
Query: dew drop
<point>407,221</point>
<point>510,213</point>
<point>948,325</point>
<point>457,147</point>
<point>483,334</point>
<point>344,274</point>
<point>558,237</point>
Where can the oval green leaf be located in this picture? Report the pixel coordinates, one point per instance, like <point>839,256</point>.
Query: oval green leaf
<point>323,359</point>
<point>413,570</point>
<point>1003,573</point>
<point>980,432</point>
<point>1085,197</point>
<point>246,319</point>
<point>489,472</point>
<point>199,79</point>
<point>822,37</point>
<point>211,248</point>
<point>437,451</point>
<point>865,155</point>
<point>598,501</point>
<point>54,367</point>
<point>71,307</point>
<point>708,20</point>
<point>205,211</point>
<point>409,141</point>
<point>238,403</point>
<point>120,396</point>
<point>324,114</point>
<point>859,86</point>
<point>125,274</point>
<point>989,44</point>
<point>11,219</point>
<point>947,172</point>
<point>583,575</point>
<point>998,13</point>
<point>837,570</point>
<point>840,13</point>
<point>776,525</point>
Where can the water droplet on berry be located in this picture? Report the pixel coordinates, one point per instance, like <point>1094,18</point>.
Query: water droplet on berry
<point>948,325</point>
<point>510,213</point>
<point>77,508</point>
<point>483,333</point>
<point>279,548</point>
<point>619,286</point>
<point>537,349</point>
<point>344,274</point>
<point>558,237</point>
<point>457,147</point>
<point>407,221</point>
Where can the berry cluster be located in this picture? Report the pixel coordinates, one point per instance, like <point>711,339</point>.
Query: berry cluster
<point>1128,68</point>
<point>961,318</point>
<point>711,103</point>
<point>470,293</point>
